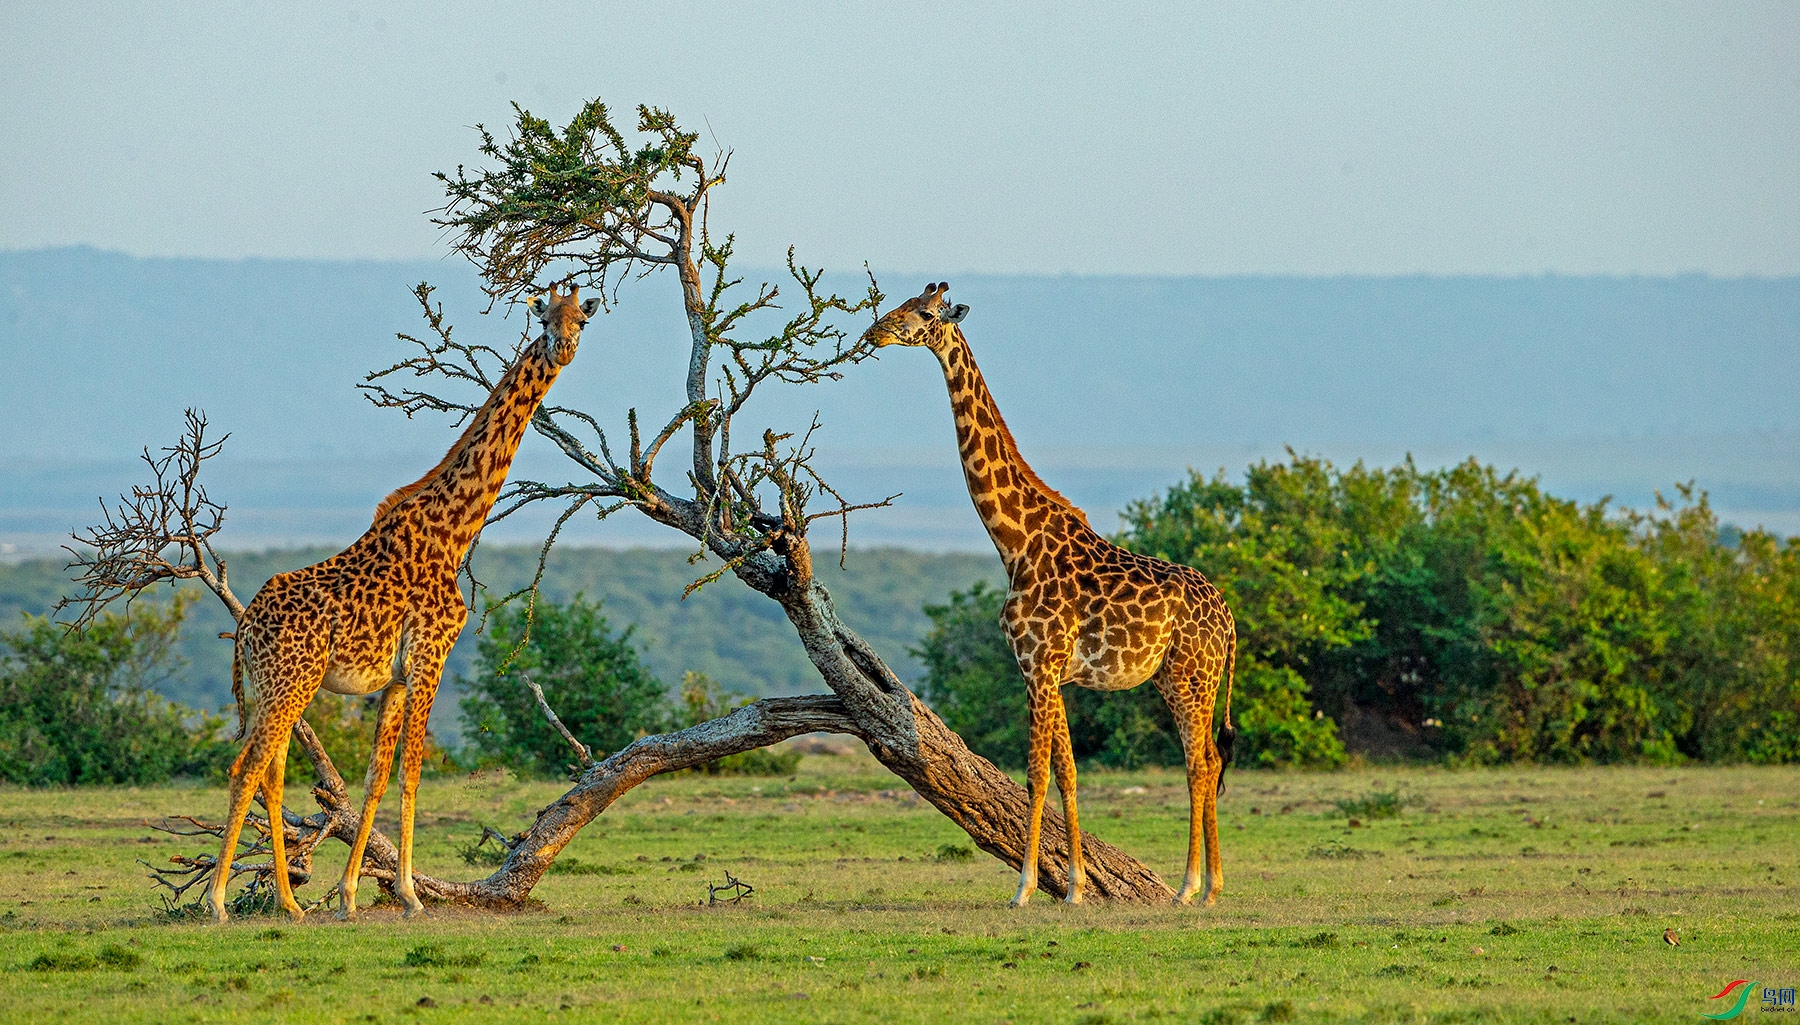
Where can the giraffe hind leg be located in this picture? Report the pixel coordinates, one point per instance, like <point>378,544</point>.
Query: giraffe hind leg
<point>246,776</point>
<point>1215,862</point>
<point>1194,720</point>
<point>274,779</point>
<point>249,773</point>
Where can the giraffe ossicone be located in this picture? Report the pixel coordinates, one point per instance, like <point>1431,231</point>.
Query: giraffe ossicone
<point>1081,610</point>
<point>381,616</point>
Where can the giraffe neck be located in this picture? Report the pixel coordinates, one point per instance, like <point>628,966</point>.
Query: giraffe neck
<point>457,495</point>
<point>1012,501</point>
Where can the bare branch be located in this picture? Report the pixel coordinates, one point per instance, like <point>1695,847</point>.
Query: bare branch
<point>160,533</point>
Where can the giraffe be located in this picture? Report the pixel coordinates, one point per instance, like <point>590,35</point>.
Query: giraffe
<point>1081,610</point>
<point>381,616</point>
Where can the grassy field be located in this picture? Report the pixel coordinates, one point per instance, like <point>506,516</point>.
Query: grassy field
<point>1533,895</point>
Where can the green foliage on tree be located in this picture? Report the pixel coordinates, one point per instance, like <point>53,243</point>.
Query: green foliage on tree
<point>591,677</point>
<point>78,706</point>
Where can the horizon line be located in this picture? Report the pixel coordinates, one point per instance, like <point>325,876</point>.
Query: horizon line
<point>1244,275</point>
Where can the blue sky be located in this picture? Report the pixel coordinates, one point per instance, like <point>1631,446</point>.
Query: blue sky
<point>1160,138</point>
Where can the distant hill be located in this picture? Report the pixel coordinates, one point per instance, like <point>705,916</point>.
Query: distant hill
<point>725,630</point>
<point>1114,386</point>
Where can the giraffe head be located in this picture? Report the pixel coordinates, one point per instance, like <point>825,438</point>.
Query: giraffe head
<point>926,319</point>
<point>562,317</point>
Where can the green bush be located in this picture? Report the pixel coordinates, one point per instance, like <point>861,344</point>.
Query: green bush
<point>1479,619</point>
<point>78,706</point>
<point>345,725</point>
<point>591,677</point>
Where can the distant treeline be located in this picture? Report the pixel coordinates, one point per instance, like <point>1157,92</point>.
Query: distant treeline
<point>1457,614</point>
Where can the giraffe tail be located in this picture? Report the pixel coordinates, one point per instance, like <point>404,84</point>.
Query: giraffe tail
<point>1227,738</point>
<point>237,684</point>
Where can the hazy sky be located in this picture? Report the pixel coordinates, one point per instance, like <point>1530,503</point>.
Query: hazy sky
<point>1165,138</point>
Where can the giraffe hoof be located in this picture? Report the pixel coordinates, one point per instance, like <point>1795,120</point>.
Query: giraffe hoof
<point>296,914</point>
<point>413,911</point>
<point>1073,898</point>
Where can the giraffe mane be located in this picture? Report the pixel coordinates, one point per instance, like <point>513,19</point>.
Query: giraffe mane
<point>1019,463</point>
<point>401,494</point>
<point>1024,468</point>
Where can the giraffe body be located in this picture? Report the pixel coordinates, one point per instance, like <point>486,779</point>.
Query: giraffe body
<point>381,616</point>
<point>1081,610</point>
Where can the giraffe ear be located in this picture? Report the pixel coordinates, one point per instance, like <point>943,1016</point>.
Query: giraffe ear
<point>589,307</point>
<point>954,314</point>
<point>538,305</point>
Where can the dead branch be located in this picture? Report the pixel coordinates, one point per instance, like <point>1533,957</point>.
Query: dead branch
<point>160,533</point>
<point>582,750</point>
<point>530,853</point>
<point>735,888</point>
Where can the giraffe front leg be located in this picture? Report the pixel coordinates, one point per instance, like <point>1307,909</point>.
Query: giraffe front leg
<point>274,779</point>
<point>1064,756</point>
<point>381,761</point>
<point>1037,778</point>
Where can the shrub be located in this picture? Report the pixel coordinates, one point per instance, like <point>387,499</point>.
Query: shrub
<point>592,677</point>
<point>1464,613</point>
<point>78,706</point>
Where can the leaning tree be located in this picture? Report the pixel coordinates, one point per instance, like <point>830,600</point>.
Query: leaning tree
<point>586,205</point>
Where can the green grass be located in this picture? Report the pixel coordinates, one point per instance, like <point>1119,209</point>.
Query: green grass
<point>1530,895</point>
